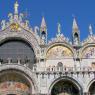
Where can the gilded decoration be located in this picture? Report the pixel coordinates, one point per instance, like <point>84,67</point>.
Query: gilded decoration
<point>89,52</point>
<point>59,52</point>
<point>14,27</point>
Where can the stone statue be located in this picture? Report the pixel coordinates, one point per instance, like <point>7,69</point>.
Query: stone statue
<point>27,23</point>
<point>76,41</point>
<point>36,29</point>
<point>20,17</point>
<point>90,30</point>
<point>43,40</point>
<point>3,24</point>
<point>59,28</point>
<point>10,17</point>
<point>16,7</point>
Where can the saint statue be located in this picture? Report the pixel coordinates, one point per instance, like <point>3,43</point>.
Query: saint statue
<point>59,28</point>
<point>16,7</point>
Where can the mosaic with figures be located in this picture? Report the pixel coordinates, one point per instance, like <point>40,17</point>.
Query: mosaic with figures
<point>89,52</point>
<point>58,52</point>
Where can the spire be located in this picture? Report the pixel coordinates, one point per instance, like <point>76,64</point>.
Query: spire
<point>75,26</point>
<point>43,25</point>
<point>90,30</point>
<point>43,32</point>
<point>76,33</point>
<point>16,5</point>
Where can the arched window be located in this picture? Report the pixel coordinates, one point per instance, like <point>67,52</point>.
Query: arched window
<point>14,49</point>
<point>60,66</point>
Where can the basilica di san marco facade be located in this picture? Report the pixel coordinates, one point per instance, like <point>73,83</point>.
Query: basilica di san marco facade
<point>31,65</point>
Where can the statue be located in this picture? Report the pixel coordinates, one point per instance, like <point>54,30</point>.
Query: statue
<point>20,17</point>
<point>59,28</point>
<point>36,29</point>
<point>26,23</point>
<point>43,40</point>
<point>90,30</point>
<point>76,41</point>
<point>10,17</point>
<point>16,7</point>
<point>3,24</point>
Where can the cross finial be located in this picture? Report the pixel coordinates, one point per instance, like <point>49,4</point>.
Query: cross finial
<point>16,5</point>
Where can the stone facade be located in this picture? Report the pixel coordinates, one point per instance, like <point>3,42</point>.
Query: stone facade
<point>61,66</point>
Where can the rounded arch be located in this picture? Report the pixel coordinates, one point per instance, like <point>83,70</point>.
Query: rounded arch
<point>84,48</point>
<point>90,84</point>
<point>24,35</point>
<point>63,45</point>
<point>18,49</point>
<point>60,64</point>
<point>22,71</point>
<point>65,78</point>
<point>18,39</point>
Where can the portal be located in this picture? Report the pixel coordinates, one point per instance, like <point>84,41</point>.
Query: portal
<point>14,83</point>
<point>92,89</point>
<point>65,87</point>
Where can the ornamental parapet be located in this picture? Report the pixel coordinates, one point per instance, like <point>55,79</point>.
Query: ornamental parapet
<point>20,62</point>
<point>78,74</point>
<point>69,69</point>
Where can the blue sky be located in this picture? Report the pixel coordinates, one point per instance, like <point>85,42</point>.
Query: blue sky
<point>55,11</point>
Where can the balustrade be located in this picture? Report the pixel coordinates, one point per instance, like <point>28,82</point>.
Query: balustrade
<point>26,63</point>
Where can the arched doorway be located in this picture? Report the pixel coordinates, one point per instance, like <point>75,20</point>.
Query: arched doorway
<point>92,89</point>
<point>13,82</point>
<point>65,87</point>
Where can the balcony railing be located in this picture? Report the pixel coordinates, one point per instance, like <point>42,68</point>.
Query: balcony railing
<point>23,62</point>
<point>69,69</point>
<point>26,63</point>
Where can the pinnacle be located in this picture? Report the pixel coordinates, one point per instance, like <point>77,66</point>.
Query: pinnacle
<point>75,26</point>
<point>43,23</point>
